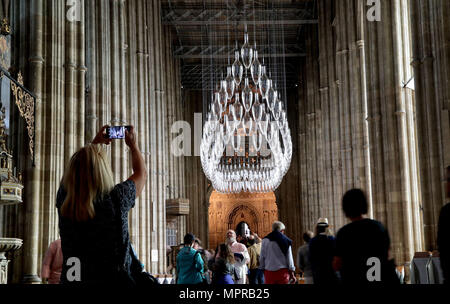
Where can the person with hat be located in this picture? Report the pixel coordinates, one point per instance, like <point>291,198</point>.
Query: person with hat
<point>189,263</point>
<point>322,251</point>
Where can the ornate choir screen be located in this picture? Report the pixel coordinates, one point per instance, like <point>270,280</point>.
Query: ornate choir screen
<point>13,92</point>
<point>15,102</point>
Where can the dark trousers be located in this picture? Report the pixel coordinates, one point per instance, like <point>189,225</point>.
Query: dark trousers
<point>256,276</point>
<point>445,266</point>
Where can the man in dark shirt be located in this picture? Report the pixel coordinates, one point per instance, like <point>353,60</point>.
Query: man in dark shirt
<point>360,241</point>
<point>444,235</point>
<point>321,252</point>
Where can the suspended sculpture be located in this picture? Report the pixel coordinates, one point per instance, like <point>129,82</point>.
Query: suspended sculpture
<point>246,144</point>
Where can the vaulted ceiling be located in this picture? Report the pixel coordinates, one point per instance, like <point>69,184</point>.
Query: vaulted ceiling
<point>207,32</point>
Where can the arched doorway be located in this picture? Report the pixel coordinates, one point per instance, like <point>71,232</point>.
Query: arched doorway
<point>243,214</point>
<point>226,211</point>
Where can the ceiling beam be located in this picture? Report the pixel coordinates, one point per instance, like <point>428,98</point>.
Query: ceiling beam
<point>225,51</point>
<point>242,22</point>
<point>232,47</point>
<point>202,17</point>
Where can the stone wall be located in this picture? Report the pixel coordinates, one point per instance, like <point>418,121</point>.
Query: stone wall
<point>354,121</point>
<point>113,66</point>
<point>431,61</point>
<point>357,124</point>
<point>198,188</point>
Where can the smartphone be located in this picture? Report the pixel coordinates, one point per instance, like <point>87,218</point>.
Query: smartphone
<point>117,132</point>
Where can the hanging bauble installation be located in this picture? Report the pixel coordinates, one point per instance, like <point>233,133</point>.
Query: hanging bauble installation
<point>246,144</point>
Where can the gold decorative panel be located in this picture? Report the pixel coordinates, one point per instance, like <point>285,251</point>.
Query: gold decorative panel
<point>26,103</point>
<point>5,51</point>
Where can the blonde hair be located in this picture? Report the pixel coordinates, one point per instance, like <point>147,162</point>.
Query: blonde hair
<point>87,176</point>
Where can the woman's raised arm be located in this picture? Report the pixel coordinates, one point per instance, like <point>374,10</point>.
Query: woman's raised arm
<point>139,176</point>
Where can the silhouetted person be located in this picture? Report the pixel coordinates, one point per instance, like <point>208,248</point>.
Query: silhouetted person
<point>304,259</point>
<point>361,240</point>
<point>443,239</point>
<point>322,250</point>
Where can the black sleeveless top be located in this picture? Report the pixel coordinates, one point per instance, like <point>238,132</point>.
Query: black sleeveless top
<point>101,244</point>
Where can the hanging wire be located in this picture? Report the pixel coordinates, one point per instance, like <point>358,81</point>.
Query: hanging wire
<point>261,35</point>
<point>245,31</point>
<point>228,36</point>
<point>222,40</point>
<point>266,17</point>
<point>275,43</point>
<point>284,69</point>
<point>204,96</point>
<point>211,63</point>
<point>207,102</point>
<point>235,34</point>
<point>280,47</point>
<point>254,23</point>
<point>272,42</point>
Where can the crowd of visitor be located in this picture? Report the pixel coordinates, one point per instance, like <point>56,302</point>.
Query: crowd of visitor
<point>324,259</point>
<point>93,224</point>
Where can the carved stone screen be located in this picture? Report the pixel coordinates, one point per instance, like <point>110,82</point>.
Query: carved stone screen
<point>226,211</point>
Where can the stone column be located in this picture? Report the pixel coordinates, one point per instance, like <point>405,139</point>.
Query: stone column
<point>431,62</point>
<point>123,66</point>
<point>356,120</point>
<point>288,195</point>
<point>3,270</point>
<point>7,247</point>
<point>91,118</point>
<point>32,190</point>
<point>196,184</point>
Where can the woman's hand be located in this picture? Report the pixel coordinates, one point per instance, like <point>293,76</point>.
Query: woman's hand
<point>130,137</point>
<point>101,137</point>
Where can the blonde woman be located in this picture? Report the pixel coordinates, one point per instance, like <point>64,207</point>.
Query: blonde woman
<point>93,214</point>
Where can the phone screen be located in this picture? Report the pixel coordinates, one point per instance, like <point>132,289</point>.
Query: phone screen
<point>116,132</point>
